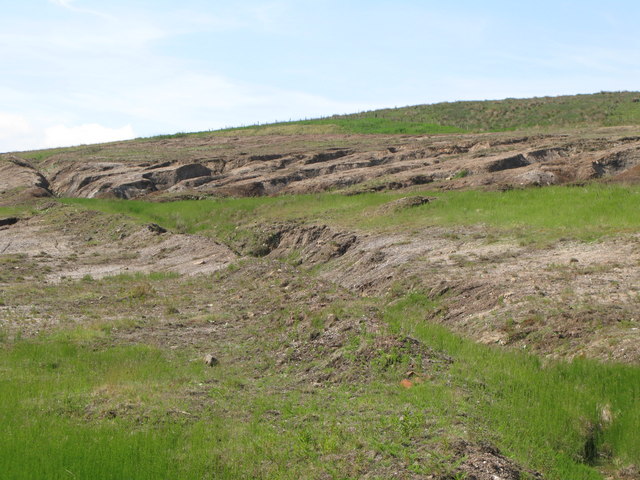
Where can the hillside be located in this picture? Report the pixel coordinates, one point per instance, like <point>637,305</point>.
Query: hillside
<point>558,140</point>
<point>238,166</point>
<point>279,302</point>
<point>603,109</point>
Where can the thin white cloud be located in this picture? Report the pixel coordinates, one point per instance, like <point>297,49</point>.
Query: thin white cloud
<point>63,136</point>
<point>12,125</point>
<point>190,101</point>
<point>118,39</point>
<point>269,14</point>
<point>69,5</point>
<point>563,57</point>
<point>62,3</point>
<point>16,132</point>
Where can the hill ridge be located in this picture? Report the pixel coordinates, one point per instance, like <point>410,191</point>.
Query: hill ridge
<point>475,116</point>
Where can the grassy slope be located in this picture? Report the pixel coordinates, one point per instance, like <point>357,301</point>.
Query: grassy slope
<point>534,114</point>
<point>576,111</point>
<point>549,414</point>
<point>531,215</point>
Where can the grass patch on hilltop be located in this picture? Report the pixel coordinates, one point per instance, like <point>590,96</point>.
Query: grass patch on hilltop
<point>575,111</point>
<point>539,113</point>
<point>349,125</point>
<point>604,109</point>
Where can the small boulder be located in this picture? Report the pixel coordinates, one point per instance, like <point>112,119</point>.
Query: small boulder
<point>210,360</point>
<point>8,221</point>
<point>537,178</point>
<point>403,203</point>
<point>155,228</point>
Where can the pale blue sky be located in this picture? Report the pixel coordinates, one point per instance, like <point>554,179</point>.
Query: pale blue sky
<point>82,71</point>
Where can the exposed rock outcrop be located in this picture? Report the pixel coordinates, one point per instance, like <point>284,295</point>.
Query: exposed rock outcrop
<point>121,180</point>
<point>17,174</point>
<point>271,165</point>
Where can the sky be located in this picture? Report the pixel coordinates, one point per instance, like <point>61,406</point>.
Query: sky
<point>86,71</point>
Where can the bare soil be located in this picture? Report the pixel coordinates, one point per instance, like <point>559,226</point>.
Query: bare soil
<point>562,300</point>
<point>227,165</point>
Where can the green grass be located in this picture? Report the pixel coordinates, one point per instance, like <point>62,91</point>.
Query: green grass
<point>575,111</point>
<point>10,211</point>
<point>77,406</point>
<point>583,213</point>
<point>38,156</point>
<point>45,388</point>
<point>76,403</point>
<point>602,109</point>
<point>55,425</point>
<point>352,125</point>
<point>546,415</point>
<point>17,210</point>
<point>531,215</point>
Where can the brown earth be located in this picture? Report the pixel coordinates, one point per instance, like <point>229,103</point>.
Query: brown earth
<point>267,165</point>
<point>20,181</point>
<point>562,300</point>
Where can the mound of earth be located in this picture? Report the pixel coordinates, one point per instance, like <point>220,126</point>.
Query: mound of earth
<point>267,165</point>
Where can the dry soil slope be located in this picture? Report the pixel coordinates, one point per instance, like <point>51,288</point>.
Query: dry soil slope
<point>238,166</point>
